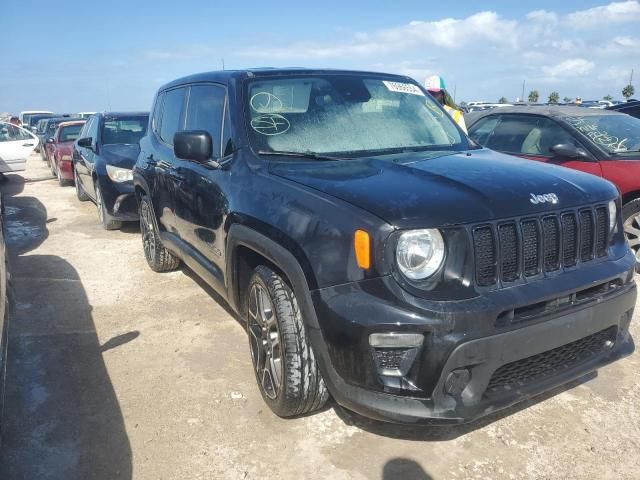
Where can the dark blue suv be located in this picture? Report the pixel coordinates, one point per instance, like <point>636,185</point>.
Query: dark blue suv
<point>376,253</point>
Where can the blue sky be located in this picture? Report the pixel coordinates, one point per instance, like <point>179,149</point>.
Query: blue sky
<point>74,56</point>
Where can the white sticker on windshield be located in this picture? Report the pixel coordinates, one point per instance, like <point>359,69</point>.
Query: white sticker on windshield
<point>403,88</point>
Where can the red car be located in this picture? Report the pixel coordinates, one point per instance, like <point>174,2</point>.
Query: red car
<point>60,148</point>
<point>601,142</point>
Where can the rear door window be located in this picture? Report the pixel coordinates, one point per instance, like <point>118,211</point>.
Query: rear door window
<point>172,114</point>
<point>205,112</point>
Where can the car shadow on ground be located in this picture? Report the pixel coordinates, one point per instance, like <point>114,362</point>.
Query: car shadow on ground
<point>62,418</point>
<point>426,433</point>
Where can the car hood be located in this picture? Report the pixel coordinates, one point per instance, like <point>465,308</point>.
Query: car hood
<point>120,155</point>
<point>444,188</point>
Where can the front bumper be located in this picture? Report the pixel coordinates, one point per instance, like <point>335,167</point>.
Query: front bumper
<point>466,335</point>
<point>119,200</point>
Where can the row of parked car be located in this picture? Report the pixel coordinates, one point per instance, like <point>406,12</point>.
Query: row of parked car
<point>377,253</point>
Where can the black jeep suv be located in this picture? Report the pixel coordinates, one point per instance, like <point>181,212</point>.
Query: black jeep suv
<point>376,253</point>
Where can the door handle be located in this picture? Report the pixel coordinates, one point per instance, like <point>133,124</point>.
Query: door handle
<point>27,144</point>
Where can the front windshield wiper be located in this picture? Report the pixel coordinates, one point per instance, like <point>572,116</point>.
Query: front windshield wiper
<point>314,156</point>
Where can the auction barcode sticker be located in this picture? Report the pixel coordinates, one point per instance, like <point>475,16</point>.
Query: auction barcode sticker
<point>403,88</point>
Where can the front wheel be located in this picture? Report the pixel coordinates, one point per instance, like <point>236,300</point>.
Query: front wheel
<point>631,224</point>
<point>103,216</point>
<point>283,361</point>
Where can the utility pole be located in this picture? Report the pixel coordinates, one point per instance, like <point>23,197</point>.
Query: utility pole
<point>522,97</point>
<point>631,78</point>
<point>455,89</point>
<point>222,64</point>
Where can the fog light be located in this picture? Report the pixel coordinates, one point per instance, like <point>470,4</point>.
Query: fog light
<point>457,381</point>
<point>394,353</point>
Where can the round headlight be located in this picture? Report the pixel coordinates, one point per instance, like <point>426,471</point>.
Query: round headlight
<point>420,253</point>
<point>612,215</point>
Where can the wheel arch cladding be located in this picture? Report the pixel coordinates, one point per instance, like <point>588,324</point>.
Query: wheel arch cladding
<point>249,248</point>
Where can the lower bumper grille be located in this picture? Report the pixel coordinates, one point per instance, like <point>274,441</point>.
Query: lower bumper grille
<point>551,362</point>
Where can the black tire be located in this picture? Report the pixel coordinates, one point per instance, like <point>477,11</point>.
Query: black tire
<point>631,225</point>
<point>80,193</point>
<point>104,218</point>
<point>63,182</point>
<point>159,258</point>
<point>281,335</point>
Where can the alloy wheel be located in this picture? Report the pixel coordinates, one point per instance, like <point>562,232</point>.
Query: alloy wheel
<point>264,340</point>
<point>632,232</point>
<point>146,226</point>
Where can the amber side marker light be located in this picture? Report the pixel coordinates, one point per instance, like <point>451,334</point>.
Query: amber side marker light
<point>362,247</point>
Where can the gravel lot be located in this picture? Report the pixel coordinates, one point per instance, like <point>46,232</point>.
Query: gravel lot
<point>119,372</point>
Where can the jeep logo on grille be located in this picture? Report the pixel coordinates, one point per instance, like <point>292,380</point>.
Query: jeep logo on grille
<point>545,198</point>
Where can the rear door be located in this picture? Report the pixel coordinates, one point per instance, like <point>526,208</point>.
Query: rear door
<point>167,184</point>
<point>202,202</point>
<point>532,137</point>
<point>16,144</point>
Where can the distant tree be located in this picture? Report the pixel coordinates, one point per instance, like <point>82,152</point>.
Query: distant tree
<point>463,103</point>
<point>567,99</point>
<point>607,98</point>
<point>554,97</point>
<point>503,100</point>
<point>534,96</point>
<point>628,91</point>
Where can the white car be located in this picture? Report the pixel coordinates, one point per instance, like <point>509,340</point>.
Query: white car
<point>16,144</point>
<point>27,113</point>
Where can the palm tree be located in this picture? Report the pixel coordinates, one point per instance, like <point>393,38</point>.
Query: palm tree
<point>567,99</point>
<point>607,98</point>
<point>534,96</point>
<point>554,97</point>
<point>503,100</point>
<point>628,91</point>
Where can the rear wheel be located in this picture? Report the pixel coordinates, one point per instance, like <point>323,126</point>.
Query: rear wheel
<point>80,193</point>
<point>103,216</point>
<point>159,258</point>
<point>631,224</point>
<point>283,362</point>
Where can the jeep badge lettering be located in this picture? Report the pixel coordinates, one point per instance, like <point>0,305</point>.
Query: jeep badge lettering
<point>545,198</point>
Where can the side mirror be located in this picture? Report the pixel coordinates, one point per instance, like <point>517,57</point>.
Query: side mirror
<point>566,150</point>
<point>85,142</point>
<point>193,145</point>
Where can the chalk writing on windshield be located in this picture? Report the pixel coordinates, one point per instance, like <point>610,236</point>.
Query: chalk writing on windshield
<point>266,102</point>
<point>270,124</point>
<point>600,137</point>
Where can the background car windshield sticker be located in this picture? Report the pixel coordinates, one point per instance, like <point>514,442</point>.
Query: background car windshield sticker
<point>270,124</point>
<point>403,88</point>
<point>600,137</point>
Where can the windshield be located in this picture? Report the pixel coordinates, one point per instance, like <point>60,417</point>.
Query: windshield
<point>346,114</point>
<point>124,130</point>
<point>69,133</point>
<point>616,134</point>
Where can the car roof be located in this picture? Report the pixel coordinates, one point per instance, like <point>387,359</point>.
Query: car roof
<point>120,114</point>
<point>224,76</point>
<point>555,111</point>
<point>72,122</point>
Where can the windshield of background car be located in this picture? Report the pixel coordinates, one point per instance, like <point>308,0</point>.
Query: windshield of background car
<point>615,134</point>
<point>346,114</point>
<point>69,133</point>
<point>123,130</point>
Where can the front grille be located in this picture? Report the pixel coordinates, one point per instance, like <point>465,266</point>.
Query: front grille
<point>524,248</point>
<point>551,362</point>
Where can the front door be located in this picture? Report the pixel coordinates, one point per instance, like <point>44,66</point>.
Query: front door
<point>202,200</point>
<point>84,163</point>
<point>16,144</point>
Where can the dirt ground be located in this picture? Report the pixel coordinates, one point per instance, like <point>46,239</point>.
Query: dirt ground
<point>118,372</point>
